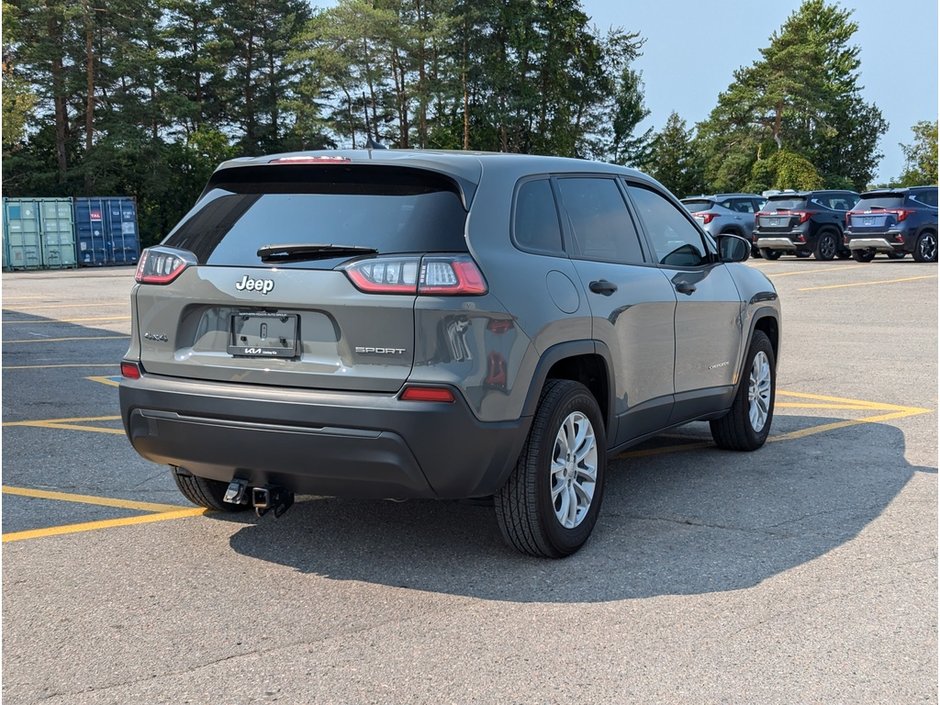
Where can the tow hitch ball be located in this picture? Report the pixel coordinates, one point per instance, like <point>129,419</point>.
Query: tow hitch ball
<point>262,498</point>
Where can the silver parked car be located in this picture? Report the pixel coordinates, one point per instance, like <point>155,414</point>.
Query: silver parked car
<point>442,325</point>
<point>726,213</point>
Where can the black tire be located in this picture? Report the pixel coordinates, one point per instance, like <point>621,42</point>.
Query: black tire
<point>863,255</point>
<point>802,254</point>
<point>926,248</point>
<point>770,254</point>
<point>204,492</point>
<point>895,254</point>
<point>735,430</point>
<point>844,254</point>
<point>525,509</point>
<point>826,246</point>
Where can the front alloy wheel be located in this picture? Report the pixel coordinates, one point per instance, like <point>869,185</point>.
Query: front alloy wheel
<point>758,391</point>
<point>747,423</point>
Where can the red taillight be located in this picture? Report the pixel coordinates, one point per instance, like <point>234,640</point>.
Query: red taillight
<point>161,265</point>
<point>131,370</point>
<point>438,394</point>
<point>445,275</point>
<point>804,216</point>
<point>706,218</point>
<point>310,159</point>
<point>902,213</point>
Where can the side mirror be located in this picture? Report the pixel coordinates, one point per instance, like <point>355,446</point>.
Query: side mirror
<point>733,248</point>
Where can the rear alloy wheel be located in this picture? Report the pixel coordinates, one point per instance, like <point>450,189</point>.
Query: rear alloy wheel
<point>863,255</point>
<point>747,423</point>
<point>926,248</point>
<point>826,246</point>
<point>204,492</point>
<point>770,254</point>
<point>549,504</point>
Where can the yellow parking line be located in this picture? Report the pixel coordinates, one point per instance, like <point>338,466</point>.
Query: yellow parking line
<point>71,424</point>
<point>104,380</point>
<point>852,402</point>
<point>813,271</point>
<point>62,340</point>
<point>69,364</point>
<point>798,405</point>
<point>71,320</point>
<point>86,305</point>
<point>68,420</point>
<point>91,499</point>
<point>104,524</point>
<point>882,281</point>
<point>813,430</point>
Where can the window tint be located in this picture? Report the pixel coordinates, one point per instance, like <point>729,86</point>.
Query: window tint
<point>600,221</point>
<point>394,212</point>
<point>697,206</point>
<point>842,201</point>
<point>926,197</point>
<point>675,240</point>
<point>886,201</point>
<point>742,205</point>
<point>535,225</point>
<point>785,203</point>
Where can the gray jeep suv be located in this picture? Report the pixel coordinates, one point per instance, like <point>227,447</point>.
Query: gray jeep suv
<point>444,325</point>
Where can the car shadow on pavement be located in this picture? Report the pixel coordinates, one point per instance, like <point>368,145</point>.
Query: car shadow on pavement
<point>679,523</point>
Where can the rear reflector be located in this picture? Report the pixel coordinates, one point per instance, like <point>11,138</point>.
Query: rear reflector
<point>131,370</point>
<point>439,394</point>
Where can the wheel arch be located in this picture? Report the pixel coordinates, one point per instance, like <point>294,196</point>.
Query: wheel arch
<point>586,361</point>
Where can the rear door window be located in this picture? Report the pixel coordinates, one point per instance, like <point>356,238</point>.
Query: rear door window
<point>391,210</point>
<point>599,220</point>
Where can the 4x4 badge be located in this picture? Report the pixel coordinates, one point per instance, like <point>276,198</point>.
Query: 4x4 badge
<point>264,286</point>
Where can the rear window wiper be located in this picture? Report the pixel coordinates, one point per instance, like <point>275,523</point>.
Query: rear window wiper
<point>294,253</point>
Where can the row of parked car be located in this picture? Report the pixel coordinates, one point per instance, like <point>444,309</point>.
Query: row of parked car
<point>827,223</point>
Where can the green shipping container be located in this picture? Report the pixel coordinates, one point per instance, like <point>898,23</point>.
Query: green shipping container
<point>37,233</point>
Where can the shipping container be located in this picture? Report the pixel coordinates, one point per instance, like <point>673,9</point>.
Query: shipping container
<point>106,231</point>
<point>38,232</point>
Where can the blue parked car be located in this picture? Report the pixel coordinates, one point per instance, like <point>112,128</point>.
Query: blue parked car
<point>894,221</point>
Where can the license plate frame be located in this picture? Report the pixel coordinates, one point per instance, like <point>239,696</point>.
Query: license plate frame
<point>264,334</point>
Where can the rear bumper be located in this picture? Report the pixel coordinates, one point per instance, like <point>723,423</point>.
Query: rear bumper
<point>777,243</point>
<point>879,244</point>
<point>327,443</point>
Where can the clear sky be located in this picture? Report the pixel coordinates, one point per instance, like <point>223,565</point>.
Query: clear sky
<point>693,47</point>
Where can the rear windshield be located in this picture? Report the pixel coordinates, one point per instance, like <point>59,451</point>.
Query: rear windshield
<point>787,203</point>
<point>389,210</point>
<point>697,206</point>
<point>881,202</point>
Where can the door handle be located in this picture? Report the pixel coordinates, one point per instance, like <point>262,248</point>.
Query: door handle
<point>602,286</point>
<point>685,288</point>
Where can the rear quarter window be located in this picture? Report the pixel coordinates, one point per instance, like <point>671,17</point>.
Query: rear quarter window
<point>535,226</point>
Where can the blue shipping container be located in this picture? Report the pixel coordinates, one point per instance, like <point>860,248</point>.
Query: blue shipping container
<point>106,231</point>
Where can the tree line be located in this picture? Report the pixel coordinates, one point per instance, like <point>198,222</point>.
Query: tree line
<point>145,97</point>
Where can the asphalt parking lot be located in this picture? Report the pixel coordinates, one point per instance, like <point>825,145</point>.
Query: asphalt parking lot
<point>805,572</point>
